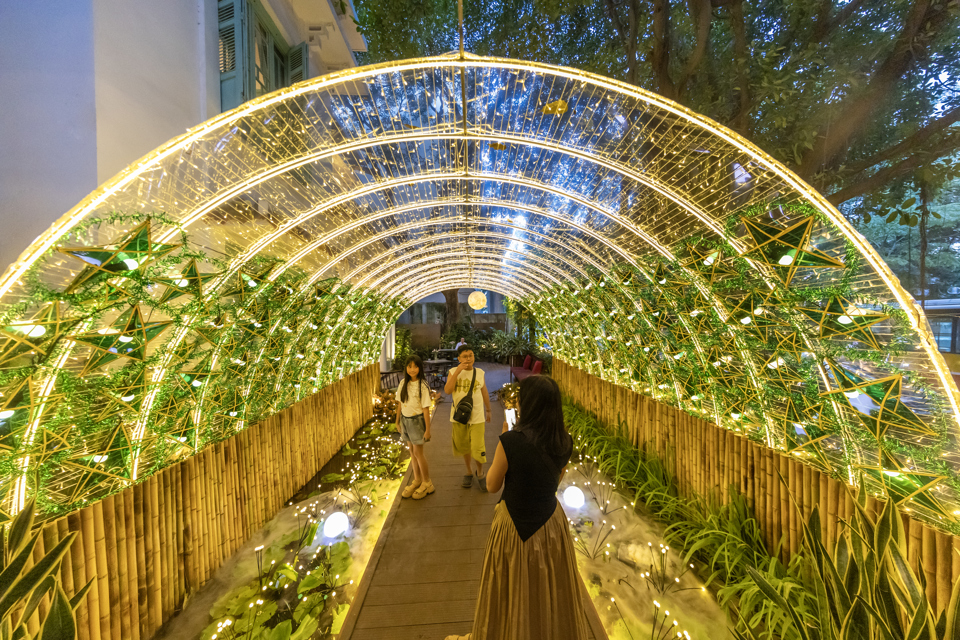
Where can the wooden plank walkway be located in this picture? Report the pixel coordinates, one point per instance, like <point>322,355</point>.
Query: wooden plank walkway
<point>424,573</point>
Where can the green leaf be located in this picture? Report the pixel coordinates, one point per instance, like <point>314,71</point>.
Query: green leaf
<point>288,572</point>
<point>80,595</point>
<point>310,582</point>
<point>59,623</point>
<point>856,625</point>
<point>11,573</point>
<point>48,583</point>
<point>21,527</point>
<point>306,629</point>
<point>280,632</point>
<point>953,614</point>
<point>881,621</point>
<point>908,203</point>
<point>338,617</point>
<point>778,600</point>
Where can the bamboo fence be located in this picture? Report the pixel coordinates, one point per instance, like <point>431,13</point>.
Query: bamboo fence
<point>154,543</point>
<point>708,460</point>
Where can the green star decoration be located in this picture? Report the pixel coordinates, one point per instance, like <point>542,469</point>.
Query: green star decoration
<point>127,254</point>
<point>840,317</point>
<point>709,262</point>
<point>907,488</point>
<point>128,337</point>
<point>107,462</point>
<point>248,283</point>
<point>191,282</point>
<point>19,404</point>
<point>127,396</point>
<point>877,402</point>
<point>786,249</point>
<point>38,335</point>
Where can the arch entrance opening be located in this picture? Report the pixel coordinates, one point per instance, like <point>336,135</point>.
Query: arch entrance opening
<point>263,255</point>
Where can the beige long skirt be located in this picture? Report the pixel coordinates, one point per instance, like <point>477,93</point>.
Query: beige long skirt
<point>529,590</point>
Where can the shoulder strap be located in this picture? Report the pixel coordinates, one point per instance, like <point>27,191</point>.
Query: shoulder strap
<point>472,380</point>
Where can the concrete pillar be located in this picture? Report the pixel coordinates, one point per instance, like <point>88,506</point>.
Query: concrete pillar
<point>389,349</point>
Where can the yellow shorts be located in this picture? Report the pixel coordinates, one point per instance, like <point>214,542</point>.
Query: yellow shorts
<point>468,440</point>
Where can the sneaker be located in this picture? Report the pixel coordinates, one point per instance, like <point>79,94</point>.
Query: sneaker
<point>482,482</point>
<point>467,481</point>
<point>425,489</point>
<point>410,488</point>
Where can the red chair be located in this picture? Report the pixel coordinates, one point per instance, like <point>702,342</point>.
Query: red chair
<point>514,371</point>
<point>523,373</point>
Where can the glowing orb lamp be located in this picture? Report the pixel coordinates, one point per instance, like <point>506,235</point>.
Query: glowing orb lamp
<point>477,300</point>
<point>336,524</point>
<point>573,497</point>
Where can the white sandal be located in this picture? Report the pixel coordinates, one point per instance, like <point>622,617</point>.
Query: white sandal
<point>410,488</point>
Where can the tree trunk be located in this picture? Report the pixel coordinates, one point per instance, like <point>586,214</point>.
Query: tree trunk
<point>452,315</point>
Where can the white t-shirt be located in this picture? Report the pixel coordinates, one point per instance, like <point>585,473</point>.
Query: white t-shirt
<point>418,399</point>
<point>460,392</point>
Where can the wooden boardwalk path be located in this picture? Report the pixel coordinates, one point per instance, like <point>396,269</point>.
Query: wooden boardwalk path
<point>424,573</point>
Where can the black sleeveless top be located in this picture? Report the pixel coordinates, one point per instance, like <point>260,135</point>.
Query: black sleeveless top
<point>530,485</point>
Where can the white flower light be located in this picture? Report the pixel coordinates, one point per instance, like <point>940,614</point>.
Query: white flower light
<point>131,264</point>
<point>6,414</point>
<point>786,260</point>
<point>844,319</point>
<point>573,497</point>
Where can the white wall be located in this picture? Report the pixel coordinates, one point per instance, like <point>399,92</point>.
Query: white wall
<point>90,86</point>
<point>48,120</point>
<point>157,75</point>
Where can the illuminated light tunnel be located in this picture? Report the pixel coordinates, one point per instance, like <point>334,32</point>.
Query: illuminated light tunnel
<point>264,254</point>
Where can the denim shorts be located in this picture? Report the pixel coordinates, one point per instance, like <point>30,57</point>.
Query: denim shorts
<point>412,429</point>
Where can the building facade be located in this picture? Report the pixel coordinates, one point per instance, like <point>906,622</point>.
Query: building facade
<point>90,86</point>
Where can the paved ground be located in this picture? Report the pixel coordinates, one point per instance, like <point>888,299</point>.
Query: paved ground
<point>424,583</point>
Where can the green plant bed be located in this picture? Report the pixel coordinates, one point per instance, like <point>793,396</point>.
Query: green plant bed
<point>863,588</point>
<point>305,580</point>
<point>639,585</point>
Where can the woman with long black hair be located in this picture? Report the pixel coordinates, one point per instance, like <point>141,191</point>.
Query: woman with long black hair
<point>413,423</point>
<point>529,587</point>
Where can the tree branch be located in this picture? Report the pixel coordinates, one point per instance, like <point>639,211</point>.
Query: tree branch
<point>885,175</point>
<point>660,53</point>
<point>738,122</point>
<point>858,109</point>
<point>622,32</point>
<point>700,14</point>
<point>909,143</point>
<point>825,26</point>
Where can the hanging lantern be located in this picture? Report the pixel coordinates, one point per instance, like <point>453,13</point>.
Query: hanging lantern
<point>477,300</point>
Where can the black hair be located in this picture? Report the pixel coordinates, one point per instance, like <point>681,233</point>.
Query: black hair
<point>462,348</point>
<point>414,358</point>
<point>541,416</point>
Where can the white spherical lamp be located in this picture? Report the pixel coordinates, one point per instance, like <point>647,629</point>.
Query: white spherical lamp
<point>336,524</point>
<point>573,497</point>
<point>477,300</point>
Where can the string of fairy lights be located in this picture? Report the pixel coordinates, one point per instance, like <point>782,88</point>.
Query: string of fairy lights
<point>263,255</point>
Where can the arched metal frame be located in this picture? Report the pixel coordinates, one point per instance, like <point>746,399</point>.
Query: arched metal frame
<point>551,182</point>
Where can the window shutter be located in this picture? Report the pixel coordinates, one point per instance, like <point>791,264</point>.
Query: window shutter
<point>298,63</point>
<point>234,53</point>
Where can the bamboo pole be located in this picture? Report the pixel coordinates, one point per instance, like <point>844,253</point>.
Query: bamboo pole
<point>133,568</point>
<point>121,578</point>
<point>110,562</point>
<point>90,560</point>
